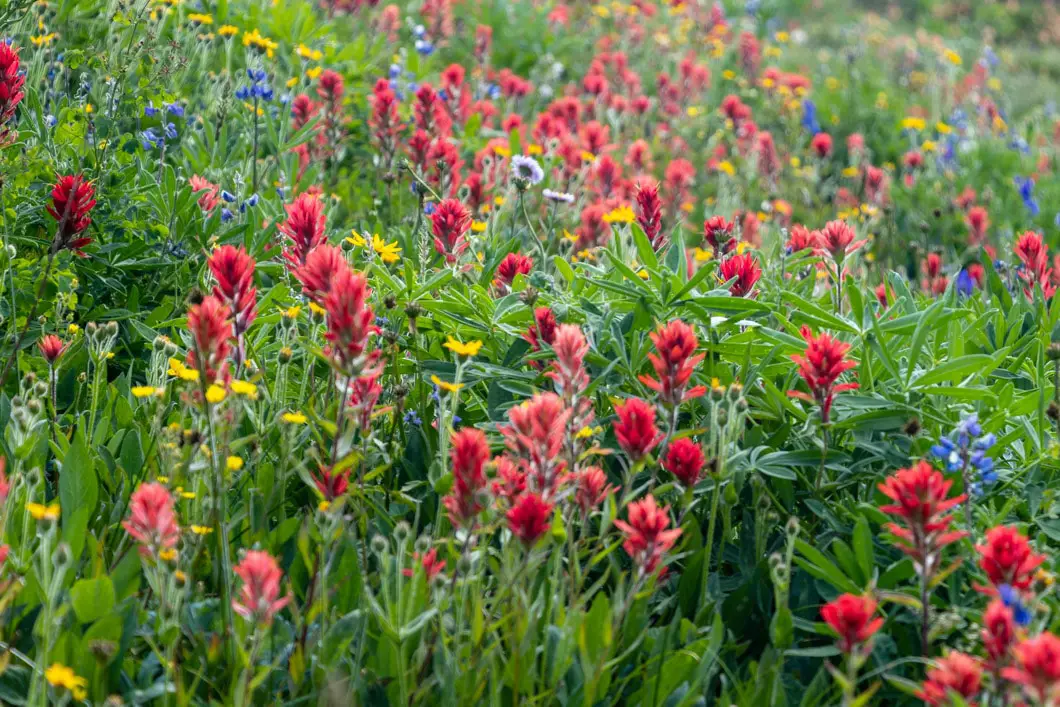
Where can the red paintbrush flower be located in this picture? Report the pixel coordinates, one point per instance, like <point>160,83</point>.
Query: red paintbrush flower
<point>304,228</point>
<point>211,327</point>
<point>957,672</point>
<point>837,238</point>
<point>649,215</point>
<point>208,200</point>
<point>591,488</point>
<point>674,363</point>
<point>802,238</point>
<point>151,521</point>
<point>469,454</point>
<point>648,538</point>
<point>321,267</point>
<point>331,484</point>
<point>978,220</point>
<point>1034,255</point>
<point>71,203</point>
<point>51,346</point>
<point>1037,668</point>
<point>259,599</point>
<point>851,618</point>
<point>685,460</point>
<point>536,434</point>
<point>821,144</point>
<point>766,152</point>
<point>529,518</point>
<point>364,394</point>
<point>430,563</point>
<point>509,482</point>
<point>350,323</point>
<point>744,268</point>
<point>542,330</point>
<point>233,268</point>
<point>718,234</point>
<point>635,428</point>
<point>999,632</point>
<point>512,265</point>
<point>821,365</point>
<point>11,82</point>
<point>920,502</point>
<point>449,222</point>
<point>1007,558</point>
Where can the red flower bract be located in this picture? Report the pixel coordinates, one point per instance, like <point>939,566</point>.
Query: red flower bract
<point>837,237</point>
<point>1037,667</point>
<point>449,222</point>
<point>233,268</point>
<point>920,496</point>
<point>685,460</point>
<point>649,215</point>
<point>718,234</point>
<point>332,484</point>
<point>321,266</point>
<point>820,366</point>
<point>51,346</point>
<point>635,428</point>
<point>11,82</point>
<point>851,617</point>
<point>71,203</point>
<point>259,599</point>
<point>152,522</point>
<point>822,144</point>
<point>744,268</point>
<point>957,672</point>
<point>648,538</point>
<point>211,327</point>
<point>304,227</point>
<point>512,265</point>
<point>1007,558</point>
<point>674,363</point>
<point>536,436</point>
<point>350,322</point>
<point>529,518</point>
<point>469,453</point>
<point>999,632</point>
<point>591,488</point>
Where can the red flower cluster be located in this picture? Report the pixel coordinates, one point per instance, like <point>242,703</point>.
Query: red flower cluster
<point>469,454</point>
<point>332,484</point>
<point>1037,668</point>
<point>72,200</point>
<point>635,428</point>
<point>51,346</point>
<point>529,518</point>
<point>956,672</point>
<point>674,363</point>
<point>1035,270</point>
<point>649,215</point>
<point>233,268</point>
<point>321,267</point>
<point>535,435</point>
<point>259,599</point>
<point>685,460</point>
<point>920,496</point>
<point>648,538</point>
<point>304,228</point>
<point>744,271</point>
<point>430,563</point>
<point>837,238</point>
<point>851,617</point>
<point>210,325</point>
<point>11,82</point>
<point>591,488</point>
<point>718,233</point>
<point>350,323</point>
<point>999,632</point>
<point>1007,558</point>
<point>449,222</point>
<point>820,366</point>
<point>512,265</point>
<point>152,522</point>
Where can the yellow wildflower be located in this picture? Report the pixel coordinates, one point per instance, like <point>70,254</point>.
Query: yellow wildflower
<point>929,146</point>
<point>622,214</point>
<point>73,330</point>
<point>41,512</point>
<point>215,394</point>
<point>317,309</point>
<point>59,675</point>
<point>227,30</point>
<point>534,150</point>
<point>168,555</point>
<point>244,388</point>
<point>952,57</point>
<point>850,171</point>
<point>726,167</point>
<point>782,37</point>
<point>234,463</point>
<point>445,385</point>
<point>201,529</point>
<point>323,506</point>
<point>255,39</point>
<point>913,123</point>
<point>471,348</point>
<point>315,72</point>
<point>701,255</point>
<point>478,226</point>
<point>943,128</point>
<point>178,369</point>
<point>387,252</point>
<point>294,418</point>
<point>502,151</point>
<point>200,19</point>
<point>311,54</point>
<point>728,75</point>
<point>145,391</point>
<point>43,40</point>
<point>831,83</point>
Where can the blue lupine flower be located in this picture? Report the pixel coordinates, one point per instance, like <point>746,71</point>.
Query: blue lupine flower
<point>394,71</point>
<point>424,47</point>
<point>965,283</point>
<point>50,120</point>
<point>428,208</point>
<point>809,117</point>
<point>456,419</point>
<point>964,450</point>
<point>412,418</point>
<point>228,196</point>
<point>150,139</point>
<point>243,93</point>
<point>1011,598</point>
<point>1025,185</point>
<point>419,31</point>
<point>436,395</point>
<point>226,215</point>
<point>150,111</point>
<point>443,94</point>
<point>252,200</point>
<point>175,109</point>
<point>171,131</point>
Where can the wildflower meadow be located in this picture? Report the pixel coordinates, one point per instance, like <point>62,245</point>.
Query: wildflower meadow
<point>529,352</point>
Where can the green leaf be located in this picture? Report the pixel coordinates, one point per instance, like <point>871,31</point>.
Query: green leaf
<point>78,494</point>
<point>92,599</point>
<point>863,549</point>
